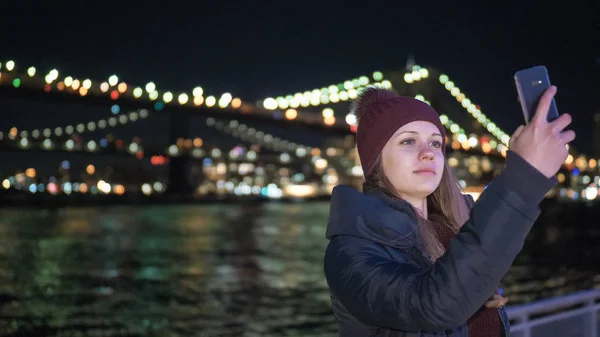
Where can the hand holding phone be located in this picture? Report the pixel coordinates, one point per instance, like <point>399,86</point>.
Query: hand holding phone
<point>531,84</point>
<point>542,143</point>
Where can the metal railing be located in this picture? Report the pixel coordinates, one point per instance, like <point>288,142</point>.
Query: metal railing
<point>573,315</point>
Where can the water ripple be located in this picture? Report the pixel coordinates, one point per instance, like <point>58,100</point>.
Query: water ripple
<point>218,270</point>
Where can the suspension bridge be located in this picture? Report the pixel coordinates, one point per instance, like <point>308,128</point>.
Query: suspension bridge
<point>249,134</point>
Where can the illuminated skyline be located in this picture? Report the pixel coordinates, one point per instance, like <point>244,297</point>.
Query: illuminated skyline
<point>332,164</point>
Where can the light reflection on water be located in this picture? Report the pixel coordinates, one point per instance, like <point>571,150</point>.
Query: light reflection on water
<point>167,270</point>
<point>214,270</point>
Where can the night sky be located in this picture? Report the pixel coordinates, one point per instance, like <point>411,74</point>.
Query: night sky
<point>256,49</point>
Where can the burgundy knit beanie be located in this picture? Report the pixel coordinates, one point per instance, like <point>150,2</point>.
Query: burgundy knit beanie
<point>380,114</point>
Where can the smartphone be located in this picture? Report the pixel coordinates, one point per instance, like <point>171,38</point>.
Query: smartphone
<point>531,84</point>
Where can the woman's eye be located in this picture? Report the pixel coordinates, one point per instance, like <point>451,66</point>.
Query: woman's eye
<point>410,141</point>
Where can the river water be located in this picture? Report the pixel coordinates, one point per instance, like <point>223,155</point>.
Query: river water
<point>215,270</point>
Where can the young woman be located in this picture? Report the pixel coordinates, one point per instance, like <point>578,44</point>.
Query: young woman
<point>411,255</point>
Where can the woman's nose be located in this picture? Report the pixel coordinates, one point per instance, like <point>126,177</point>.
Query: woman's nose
<point>426,154</point>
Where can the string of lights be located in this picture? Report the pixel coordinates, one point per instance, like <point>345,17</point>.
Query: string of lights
<point>419,73</point>
<point>245,133</point>
<point>81,128</point>
<point>474,110</point>
<point>461,140</point>
<point>195,148</point>
<point>116,89</point>
<point>333,93</point>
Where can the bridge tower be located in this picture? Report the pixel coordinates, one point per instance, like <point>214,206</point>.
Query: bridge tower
<point>179,167</point>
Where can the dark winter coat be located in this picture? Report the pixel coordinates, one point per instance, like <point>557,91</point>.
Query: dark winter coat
<point>382,283</point>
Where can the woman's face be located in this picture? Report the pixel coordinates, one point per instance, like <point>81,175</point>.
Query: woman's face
<point>413,160</point>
